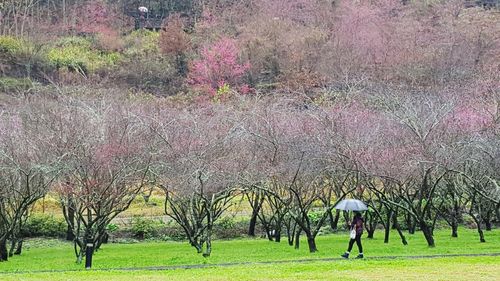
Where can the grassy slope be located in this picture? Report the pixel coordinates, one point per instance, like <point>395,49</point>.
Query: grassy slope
<point>51,206</point>
<point>55,255</point>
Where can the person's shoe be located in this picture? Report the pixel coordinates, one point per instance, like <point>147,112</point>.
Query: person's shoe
<point>360,256</point>
<point>345,255</point>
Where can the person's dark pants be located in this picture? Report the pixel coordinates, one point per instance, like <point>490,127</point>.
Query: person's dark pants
<point>358,242</point>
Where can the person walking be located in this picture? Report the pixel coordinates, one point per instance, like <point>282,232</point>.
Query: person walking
<point>357,228</point>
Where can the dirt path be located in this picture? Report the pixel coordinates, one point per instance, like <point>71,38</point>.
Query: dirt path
<point>194,266</point>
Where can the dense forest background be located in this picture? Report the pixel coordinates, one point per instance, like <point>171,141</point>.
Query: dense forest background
<point>216,48</point>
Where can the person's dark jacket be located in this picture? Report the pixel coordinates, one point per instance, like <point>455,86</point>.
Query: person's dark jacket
<point>357,223</point>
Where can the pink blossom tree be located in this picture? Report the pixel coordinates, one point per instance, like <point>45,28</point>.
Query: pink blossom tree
<point>219,66</point>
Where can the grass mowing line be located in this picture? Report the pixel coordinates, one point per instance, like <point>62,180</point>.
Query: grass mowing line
<point>200,266</point>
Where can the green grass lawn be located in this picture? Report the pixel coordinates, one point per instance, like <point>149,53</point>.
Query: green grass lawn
<point>457,269</point>
<point>56,255</point>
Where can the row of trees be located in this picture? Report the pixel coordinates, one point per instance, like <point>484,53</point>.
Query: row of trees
<point>419,156</point>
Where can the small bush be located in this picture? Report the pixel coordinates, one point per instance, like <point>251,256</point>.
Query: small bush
<point>110,42</point>
<point>23,59</point>
<point>146,228</point>
<point>44,225</point>
<point>141,43</point>
<point>10,45</point>
<point>173,232</point>
<point>228,227</point>
<point>112,227</point>
<point>156,75</point>
<point>11,85</point>
<point>74,41</point>
<point>76,54</point>
<point>70,57</point>
<point>325,230</point>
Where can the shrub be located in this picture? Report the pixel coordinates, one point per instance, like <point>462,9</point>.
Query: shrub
<point>71,58</point>
<point>76,54</point>
<point>21,58</point>
<point>74,41</point>
<point>44,225</point>
<point>145,228</point>
<point>141,43</point>
<point>10,45</point>
<point>173,40</point>
<point>173,232</point>
<point>155,75</point>
<point>11,85</point>
<point>110,42</point>
<point>228,227</point>
<point>112,227</point>
<point>325,230</point>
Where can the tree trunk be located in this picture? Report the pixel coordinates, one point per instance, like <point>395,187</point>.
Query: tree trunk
<point>277,236</point>
<point>197,246</point>
<point>103,239</point>
<point>270,234</point>
<point>290,237</point>
<point>290,231</point>
<point>370,233</point>
<point>497,213</point>
<point>371,224</point>
<point>400,232</point>
<point>488,225</point>
<point>208,249</point>
<point>427,233</point>
<point>311,243</point>
<point>394,219</point>
<point>256,204</point>
<point>454,228</point>
<point>347,220</point>
<point>455,215</point>
<point>387,231</point>
<point>297,239</point>
<point>387,226</point>
<point>19,248</point>
<point>79,257</point>
<point>481,234</point>
<point>4,255</point>
<point>410,222</point>
<point>487,220</point>
<point>253,223</point>
<point>71,217</point>
<point>334,220</point>
<point>479,229</point>
<point>208,237</point>
<point>13,244</point>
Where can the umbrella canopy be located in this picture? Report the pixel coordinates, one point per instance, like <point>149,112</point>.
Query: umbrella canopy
<point>351,205</point>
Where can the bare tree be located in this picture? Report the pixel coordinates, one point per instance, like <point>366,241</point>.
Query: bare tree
<point>197,169</point>
<point>26,173</point>
<point>104,172</point>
